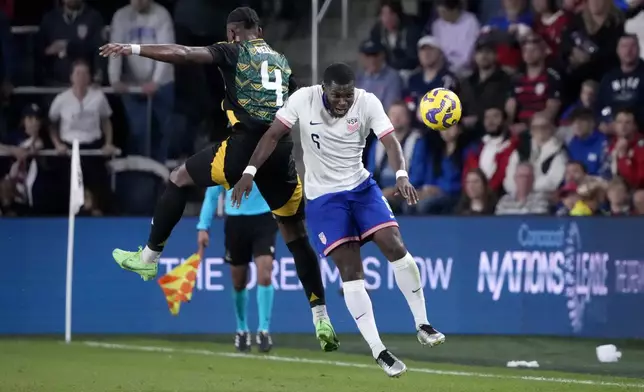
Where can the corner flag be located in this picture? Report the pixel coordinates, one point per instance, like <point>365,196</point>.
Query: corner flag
<point>179,283</point>
<point>76,201</point>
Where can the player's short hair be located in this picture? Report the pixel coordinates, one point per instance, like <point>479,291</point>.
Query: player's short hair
<point>245,16</point>
<point>338,73</point>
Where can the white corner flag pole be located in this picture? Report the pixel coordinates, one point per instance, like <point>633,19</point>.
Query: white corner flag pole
<point>76,201</point>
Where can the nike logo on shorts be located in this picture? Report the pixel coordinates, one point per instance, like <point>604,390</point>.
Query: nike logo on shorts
<point>316,123</point>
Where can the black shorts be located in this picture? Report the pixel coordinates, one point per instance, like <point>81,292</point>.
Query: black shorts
<point>277,179</point>
<point>248,236</point>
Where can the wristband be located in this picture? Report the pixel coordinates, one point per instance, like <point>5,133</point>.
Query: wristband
<point>401,173</point>
<point>252,170</point>
<point>136,49</point>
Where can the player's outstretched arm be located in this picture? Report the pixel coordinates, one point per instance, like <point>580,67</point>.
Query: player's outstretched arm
<point>168,53</point>
<point>397,163</point>
<point>264,149</point>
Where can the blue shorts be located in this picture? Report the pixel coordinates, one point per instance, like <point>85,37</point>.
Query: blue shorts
<point>347,216</point>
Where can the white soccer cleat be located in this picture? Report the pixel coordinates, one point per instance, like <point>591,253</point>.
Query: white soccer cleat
<point>392,366</point>
<point>429,336</point>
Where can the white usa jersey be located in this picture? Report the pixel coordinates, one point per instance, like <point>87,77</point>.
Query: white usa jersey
<point>333,146</point>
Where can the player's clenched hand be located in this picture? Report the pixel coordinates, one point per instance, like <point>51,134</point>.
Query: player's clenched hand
<point>243,187</point>
<point>203,240</point>
<point>407,190</point>
<point>115,50</point>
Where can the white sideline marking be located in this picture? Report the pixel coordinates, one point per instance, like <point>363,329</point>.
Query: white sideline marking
<point>116,346</point>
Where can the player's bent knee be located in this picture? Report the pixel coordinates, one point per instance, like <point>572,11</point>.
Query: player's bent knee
<point>390,243</point>
<point>180,177</point>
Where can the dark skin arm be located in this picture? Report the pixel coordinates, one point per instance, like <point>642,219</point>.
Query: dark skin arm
<point>277,130</point>
<point>264,149</point>
<point>167,53</point>
<point>397,162</point>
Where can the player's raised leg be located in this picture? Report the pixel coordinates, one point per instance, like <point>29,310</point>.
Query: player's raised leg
<point>330,217</point>
<point>280,186</point>
<point>265,294</point>
<point>377,222</point>
<point>169,209</point>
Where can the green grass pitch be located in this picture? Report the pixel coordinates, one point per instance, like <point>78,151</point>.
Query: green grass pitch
<point>210,364</point>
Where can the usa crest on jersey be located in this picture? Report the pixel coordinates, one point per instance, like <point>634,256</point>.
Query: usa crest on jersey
<point>353,124</point>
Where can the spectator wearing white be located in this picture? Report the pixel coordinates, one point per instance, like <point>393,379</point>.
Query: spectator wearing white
<point>144,22</point>
<point>544,151</point>
<point>456,31</point>
<point>81,112</point>
<point>524,200</point>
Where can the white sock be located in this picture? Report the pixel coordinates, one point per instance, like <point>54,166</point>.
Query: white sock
<point>150,256</point>
<point>319,313</point>
<point>408,281</point>
<point>359,305</point>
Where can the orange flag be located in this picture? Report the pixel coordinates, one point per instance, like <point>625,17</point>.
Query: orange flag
<point>179,283</point>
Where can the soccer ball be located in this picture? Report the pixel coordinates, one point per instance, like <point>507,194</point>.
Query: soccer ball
<point>440,109</point>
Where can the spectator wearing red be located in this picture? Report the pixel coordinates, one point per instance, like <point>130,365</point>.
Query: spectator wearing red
<point>493,153</point>
<point>536,90</point>
<point>627,151</point>
<point>550,23</point>
<point>487,86</point>
<point>568,197</point>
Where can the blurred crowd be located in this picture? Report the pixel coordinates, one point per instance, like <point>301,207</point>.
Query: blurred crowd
<point>156,113</point>
<point>553,104</point>
<point>551,93</point>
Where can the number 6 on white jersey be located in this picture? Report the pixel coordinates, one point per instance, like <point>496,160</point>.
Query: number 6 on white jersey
<point>273,86</point>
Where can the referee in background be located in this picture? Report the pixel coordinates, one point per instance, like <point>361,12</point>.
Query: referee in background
<point>249,233</point>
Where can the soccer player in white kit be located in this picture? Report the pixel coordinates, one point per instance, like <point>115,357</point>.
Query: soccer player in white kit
<point>345,208</point>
